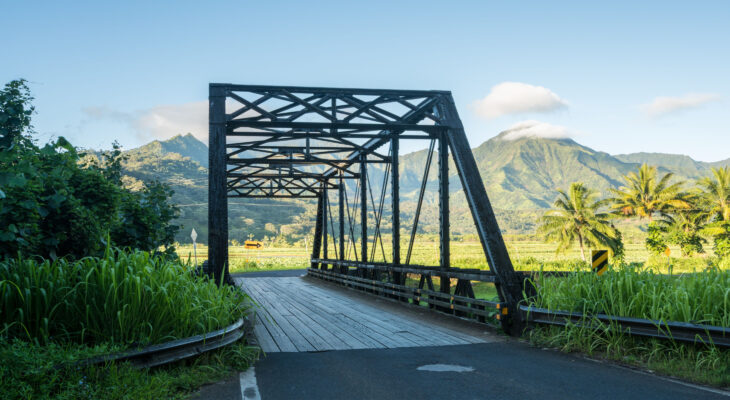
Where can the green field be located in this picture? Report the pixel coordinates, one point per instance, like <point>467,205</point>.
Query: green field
<point>525,255</point>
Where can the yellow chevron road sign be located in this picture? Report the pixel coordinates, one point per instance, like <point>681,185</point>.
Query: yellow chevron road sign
<point>599,261</point>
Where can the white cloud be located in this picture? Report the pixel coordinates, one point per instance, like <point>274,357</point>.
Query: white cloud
<point>669,105</point>
<point>515,98</point>
<point>535,129</point>
<point>159,122</point>
<point>169,120</point>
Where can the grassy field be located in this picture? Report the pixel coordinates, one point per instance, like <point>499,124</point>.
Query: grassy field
<point>526,256</point>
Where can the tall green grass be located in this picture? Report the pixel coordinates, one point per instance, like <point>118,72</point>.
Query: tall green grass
<point>122,298</point>
<point>642,292</point>
<point>629,291</point>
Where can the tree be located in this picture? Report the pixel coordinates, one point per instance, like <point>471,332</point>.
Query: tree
<point>15,113</point>
<point>53,205</point>
<point>645,196</point>
<point>576,216</point>
<point>685,229</point>
<point>715,200</point>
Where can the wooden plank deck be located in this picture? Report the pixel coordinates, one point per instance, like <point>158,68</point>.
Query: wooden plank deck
<point>297,315</point>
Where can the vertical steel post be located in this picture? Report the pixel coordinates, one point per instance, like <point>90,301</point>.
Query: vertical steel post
<point>395,204</point>
<point>341,219</point>
<point>364,208</point>
<point>509,284</point>
<point>317,241</point>
<point>443,177</point>
<point>217,190</point>
<point>325,204</point>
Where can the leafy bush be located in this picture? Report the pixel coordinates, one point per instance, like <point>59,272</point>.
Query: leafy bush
<point>655,242</point>
<point>121,298</point>
<point>28,371</point>
<point>52,205</point>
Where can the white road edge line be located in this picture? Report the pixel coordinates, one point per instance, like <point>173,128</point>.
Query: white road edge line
<point>249,388</point>
<point>664,378</point>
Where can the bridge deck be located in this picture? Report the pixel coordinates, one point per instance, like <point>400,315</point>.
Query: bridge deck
<point>299,315</point>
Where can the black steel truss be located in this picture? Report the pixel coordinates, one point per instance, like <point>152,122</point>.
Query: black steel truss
<point>301,142</point>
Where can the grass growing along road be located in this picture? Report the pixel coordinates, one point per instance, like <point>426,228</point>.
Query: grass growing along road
<point>53,313</point>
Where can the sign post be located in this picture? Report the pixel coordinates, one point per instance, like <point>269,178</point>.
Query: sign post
<point>194,235</point>
<point>599,261</point>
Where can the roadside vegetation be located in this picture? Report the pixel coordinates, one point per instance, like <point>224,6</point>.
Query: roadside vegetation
<point>678,213</point>
<point>88,267</point>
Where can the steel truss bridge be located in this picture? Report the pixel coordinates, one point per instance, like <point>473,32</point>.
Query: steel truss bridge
<point>325,144</point>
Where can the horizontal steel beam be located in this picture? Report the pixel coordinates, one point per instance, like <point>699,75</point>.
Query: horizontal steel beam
<point>332,135</point>
<point>234,124</point>
<point>328,90</point>
<point>309,160</point>
<point>273,196</point>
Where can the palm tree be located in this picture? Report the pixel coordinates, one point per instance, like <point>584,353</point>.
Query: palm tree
<point>576,216</point>
<point>644,196</point>
<point>716,194</point>
<point>716,202</point>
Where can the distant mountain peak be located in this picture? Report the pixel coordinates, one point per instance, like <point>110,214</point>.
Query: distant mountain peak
<point>535,130</point>
<point>186,145</point>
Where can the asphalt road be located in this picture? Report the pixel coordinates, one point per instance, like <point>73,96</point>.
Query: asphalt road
<point>494,371</point>
<point>505,369</point>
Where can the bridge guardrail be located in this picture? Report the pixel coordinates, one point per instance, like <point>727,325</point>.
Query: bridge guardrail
<point>175,350</point>
<point>482,309</point>
<point>671,330</point>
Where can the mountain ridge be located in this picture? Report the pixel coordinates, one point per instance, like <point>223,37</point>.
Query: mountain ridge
<point>521,176</point>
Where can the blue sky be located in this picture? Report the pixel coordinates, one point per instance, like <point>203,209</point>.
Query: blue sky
<point>618,77</point>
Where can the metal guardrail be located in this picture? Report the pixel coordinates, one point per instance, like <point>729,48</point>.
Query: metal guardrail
<point>678,331</point>
<point>474,274</point>
<point>460,305</point>
<point>176,350</point>
<point>481,309</point>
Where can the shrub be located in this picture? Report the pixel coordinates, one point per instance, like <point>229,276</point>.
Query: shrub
<point>52,205</point>
<point>120,298</point>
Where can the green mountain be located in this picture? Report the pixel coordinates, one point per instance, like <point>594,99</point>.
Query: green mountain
<point>521,177</point>
<point>181,162</point>
<point>680,164</point>
<point>186,146</point>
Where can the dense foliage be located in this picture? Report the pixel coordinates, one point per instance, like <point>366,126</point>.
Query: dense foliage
<point>122,298</point>
<point>35,372</point>
<point>53,205</point>
<point>677,216</point>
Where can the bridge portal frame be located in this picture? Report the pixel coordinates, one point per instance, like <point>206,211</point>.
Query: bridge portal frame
<point>305,142</point>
